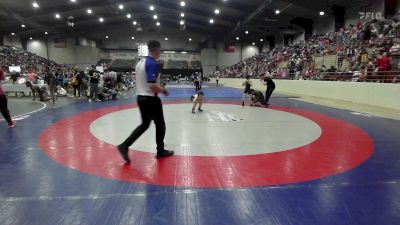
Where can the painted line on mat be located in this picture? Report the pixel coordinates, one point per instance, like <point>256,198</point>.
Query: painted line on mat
<point>361,114</point>
<point>28,113</point>
<point>187,191</point>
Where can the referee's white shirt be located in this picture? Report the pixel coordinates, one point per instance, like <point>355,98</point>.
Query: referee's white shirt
<point>147,71</point>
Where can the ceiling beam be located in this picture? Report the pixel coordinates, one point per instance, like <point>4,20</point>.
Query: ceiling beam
<point>258,11</point>
<point>238,4</point>
<point>65,6</point>
<point>196,13</point>
<point>70,8</point>
<point>4,11</point>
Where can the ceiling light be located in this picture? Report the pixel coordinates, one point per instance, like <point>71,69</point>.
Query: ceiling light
<point>128,16</point>
<point>155,16</point>
<point>158,24</point>
<point>183,3</point>
<point>216,11</point>
<point>133,38</point>
<point>106,37</point>
<point>151,8</point>
<point>182,22</point>
<point>253,43</point>
<point>23,26</point>
<point>30,38</point>
<point>211,21</point>
<point>73,0</point>
<point>184,52</point>
<point>246,32</point>
<point>166,39</point>
<point>12,34</point>
<point>101,19</point>
<point>237,38</point>
<point>121,7</point>
<point>46,33</point>
<point>57,16</point>
<point>134,22</point>
<point>190,39</point>
<point>277,12</point>
<point>261,40</point>
<point>321,13</point>
<point>89,11</point>
<point>35,5</point>
<point>182,14</point>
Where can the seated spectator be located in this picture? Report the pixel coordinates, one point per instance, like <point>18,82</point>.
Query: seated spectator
<point>332,69</point>
<point>42,93</point>
<point>383,62</point>
<point>61,92</point>
<point>14,76</point>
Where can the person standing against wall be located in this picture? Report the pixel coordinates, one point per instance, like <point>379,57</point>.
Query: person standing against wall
<point>113,79</point>
<point>150,106</point>
<point>32,77</point>
<point>94,84</point>
<point>3,103</point>
<point>51,81</point>
<point>74,81</point>
<point>84,84</point>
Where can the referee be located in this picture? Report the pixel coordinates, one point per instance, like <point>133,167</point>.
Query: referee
<point>150,105</point>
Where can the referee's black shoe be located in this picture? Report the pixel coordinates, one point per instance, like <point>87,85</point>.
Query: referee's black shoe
<point>164,153</point>
<point>124,153</point>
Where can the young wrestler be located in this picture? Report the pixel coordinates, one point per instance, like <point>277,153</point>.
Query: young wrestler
<point>257,98</point>
<point>197,99</point>
<point>247,87</point>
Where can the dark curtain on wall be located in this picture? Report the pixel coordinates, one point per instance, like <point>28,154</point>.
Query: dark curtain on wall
<point>390,8</point>
<point>271,41</point>
<point>288,39</point>
<point>338,12</point>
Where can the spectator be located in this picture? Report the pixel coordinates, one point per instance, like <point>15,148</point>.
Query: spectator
<point>51,81</point>
<point>76,83</point>
<point>3,103</point>
<point>383,62</point>
<point>31,80</point>
<point>61,91</point>
<point>83,84</point>
<point>94,84</point>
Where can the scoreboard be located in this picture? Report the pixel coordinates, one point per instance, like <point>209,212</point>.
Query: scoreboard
<point>143,50</point>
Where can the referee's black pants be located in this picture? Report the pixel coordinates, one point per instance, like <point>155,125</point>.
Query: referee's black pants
<point>150,109</point>
<point>4,109</point>
<point>198,86</point>
<point>268,93</point>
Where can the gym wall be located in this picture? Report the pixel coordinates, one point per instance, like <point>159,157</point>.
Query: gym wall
<point>375,94</point>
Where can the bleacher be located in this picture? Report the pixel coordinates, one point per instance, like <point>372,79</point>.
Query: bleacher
<point>348,54</point>
<point>177,64</point>
<point>122,64</point>
<point>10,56</point>
<point>196,65</point>
<point>103,62</point>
